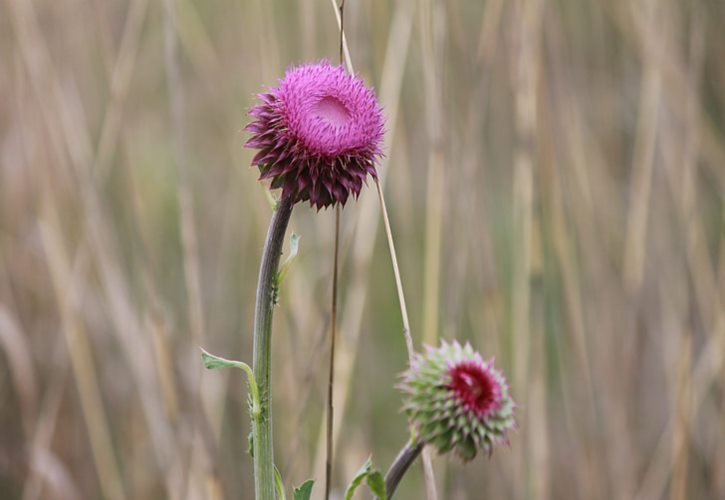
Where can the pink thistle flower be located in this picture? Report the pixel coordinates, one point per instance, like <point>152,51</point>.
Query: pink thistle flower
<point>318,134</point>
<point>456,400</point>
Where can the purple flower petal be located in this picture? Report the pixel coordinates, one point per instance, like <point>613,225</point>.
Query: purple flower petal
<point>321,128</point>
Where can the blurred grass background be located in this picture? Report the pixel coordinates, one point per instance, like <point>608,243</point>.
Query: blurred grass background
<point>555,173</point>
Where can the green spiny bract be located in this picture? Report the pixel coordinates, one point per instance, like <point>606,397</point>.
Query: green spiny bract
<point>457,401</point>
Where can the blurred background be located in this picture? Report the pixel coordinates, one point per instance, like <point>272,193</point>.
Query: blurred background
<point>555,176</point>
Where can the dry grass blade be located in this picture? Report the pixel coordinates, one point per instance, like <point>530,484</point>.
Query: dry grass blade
<point>84,371</point>
<point>17,353</point>
<point>432,38</point>
<point>643,163</point>
<point>122,71</point>
<point>70,143</point>
<point>526,75</point>
<point>681,442</point>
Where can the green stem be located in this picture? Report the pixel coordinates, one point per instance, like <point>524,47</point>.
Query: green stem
<point>402,463</point>
<point>262,422</point>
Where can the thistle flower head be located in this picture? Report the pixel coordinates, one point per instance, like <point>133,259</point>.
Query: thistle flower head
<point>318,133</point>
<point>456,400</point>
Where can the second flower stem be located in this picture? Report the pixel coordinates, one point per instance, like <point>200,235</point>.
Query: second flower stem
<point>266,292</point>
<point>402,463</point>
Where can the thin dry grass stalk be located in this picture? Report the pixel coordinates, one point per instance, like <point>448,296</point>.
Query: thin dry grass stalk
<point>79,349</point>
<point>367,221</point>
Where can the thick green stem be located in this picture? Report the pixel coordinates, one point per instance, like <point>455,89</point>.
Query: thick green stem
<point>262,422</point>
<point>403,461</point>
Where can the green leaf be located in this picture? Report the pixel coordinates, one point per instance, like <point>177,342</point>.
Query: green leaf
<point>212,362</point>
<point>294,245</point>
<point>279,485</point>
<point>270,199</point>
<point>373,478</point>
<point>360,476</point>
<point>376,483</point>
<point>304,491</point>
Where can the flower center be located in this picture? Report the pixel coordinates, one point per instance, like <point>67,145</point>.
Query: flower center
<point>332,110</point>
<point>474,387</point>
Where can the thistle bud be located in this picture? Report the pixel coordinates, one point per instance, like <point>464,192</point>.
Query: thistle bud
<point>457,401</point>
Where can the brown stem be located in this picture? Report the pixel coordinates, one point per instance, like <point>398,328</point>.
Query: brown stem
<point>331,380</point>
<point>400,466</point>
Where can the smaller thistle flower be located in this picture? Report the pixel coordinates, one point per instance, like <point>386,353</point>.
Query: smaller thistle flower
<point>456,400</point>
<point>318,134</point>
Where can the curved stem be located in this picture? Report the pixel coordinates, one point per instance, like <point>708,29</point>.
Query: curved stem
<point>262,422</point>
<point>400,466</point>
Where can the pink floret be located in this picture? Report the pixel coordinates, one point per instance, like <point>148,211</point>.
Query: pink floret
<point>318,133</point>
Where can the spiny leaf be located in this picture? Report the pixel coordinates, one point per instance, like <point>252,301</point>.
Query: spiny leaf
<point>359,477</point>
<point>304,491</point>
<point>373,478</point>
<point>212,362</point>
<point>376,483</point>
<point>271,200</point>
<point>294,245</point>
<point>278,484</point>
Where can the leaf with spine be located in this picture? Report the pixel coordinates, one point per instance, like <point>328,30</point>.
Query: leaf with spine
<point>294,245</point>
<point>376,483</point>
<point>359,477</point>
<point>304,491</point>
<point>271,200</point>
<point>373,478</point>
<point>278,484</point>
<point>213,362</point>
